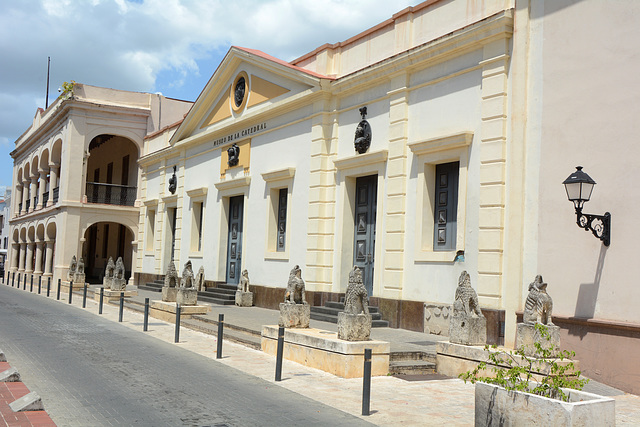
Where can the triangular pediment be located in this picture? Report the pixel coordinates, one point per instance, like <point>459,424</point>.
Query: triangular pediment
<point>247,83</point>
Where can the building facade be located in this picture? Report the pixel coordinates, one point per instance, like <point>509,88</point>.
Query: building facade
<point>76,180</point>
<point>5,203</point>
<point>433,143</point>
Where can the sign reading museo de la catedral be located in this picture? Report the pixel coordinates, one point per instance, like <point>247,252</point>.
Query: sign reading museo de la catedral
<point>245,132</point>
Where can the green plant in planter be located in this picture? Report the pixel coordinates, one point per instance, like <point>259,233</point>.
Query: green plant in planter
<point>513,370</point>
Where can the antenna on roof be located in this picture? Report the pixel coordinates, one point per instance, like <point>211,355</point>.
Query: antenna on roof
<point>46,98</point>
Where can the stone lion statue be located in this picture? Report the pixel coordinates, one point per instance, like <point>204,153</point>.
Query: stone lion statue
<point>118,272</point>
<point>243,286</point>
<point>295,287</point>
<point>171,278</point>
<point>538,306</point>
<point>200,280</point>
<point>109,269</point>
<point>187,276</point>
<point>80,268</point>
<point>73,265</point>
<point>466,302</point>
<point>356,299</point>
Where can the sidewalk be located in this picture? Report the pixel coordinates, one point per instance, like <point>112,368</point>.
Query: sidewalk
<point>12,391</point>
<point>423,400</point>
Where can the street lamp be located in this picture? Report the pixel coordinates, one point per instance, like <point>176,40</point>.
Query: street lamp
<point>579,186</point>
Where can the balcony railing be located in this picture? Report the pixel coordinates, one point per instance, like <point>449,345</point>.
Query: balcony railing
<point>27,204</point>
<point>110,194</point>
<point>45,198</point>
<point>55,194</point>
<point>35,202</point>
<point>19,208</point>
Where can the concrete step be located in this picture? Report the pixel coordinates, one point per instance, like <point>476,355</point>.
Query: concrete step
<point>377,323</point>
<point>334,312</point>
<point>407,356</point>
<point>232,334</point>
<point>151,287</point>
<point>216,300</point>
<point>412,367</point>
<point>340,306</point>
<point>222,294</point>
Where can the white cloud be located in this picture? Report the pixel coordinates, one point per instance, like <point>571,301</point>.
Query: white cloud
<point>126,44</point>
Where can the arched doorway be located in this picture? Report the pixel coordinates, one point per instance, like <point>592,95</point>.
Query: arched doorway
<point>101,241</point>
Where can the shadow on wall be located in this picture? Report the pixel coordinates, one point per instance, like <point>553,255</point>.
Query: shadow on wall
<point>588,293</point>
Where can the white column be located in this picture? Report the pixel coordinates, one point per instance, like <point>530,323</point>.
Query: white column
<point>18,199</point>
<point>54,169</point>
<point>25,194</point>
<point>41,187</point>
<point>34,192</point>
<point>15,255</point>
<point>38,269</point>
<point>23,253</point>
<point>48,262</point>
<point>29,263</point>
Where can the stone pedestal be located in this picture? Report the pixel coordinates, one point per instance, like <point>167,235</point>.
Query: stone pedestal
<point>323,350</point>
<point>117,284</point>
<point>455,359</point>
<point>167,310</point>
<point>468,330</point>
<point>64,286</point>
<point>110,295</point>
<point>78,278</point>
<point>169,294</point>
<point>294,315</point>
<point>354,327</point>
<point>244,299</point>
<point>187,296</point>
<point>528,334</point>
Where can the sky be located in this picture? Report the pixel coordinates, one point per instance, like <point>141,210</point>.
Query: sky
<point>167,46</point>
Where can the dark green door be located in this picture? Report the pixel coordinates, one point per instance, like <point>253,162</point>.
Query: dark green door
<point>234,246</point>
<point>365,227</point>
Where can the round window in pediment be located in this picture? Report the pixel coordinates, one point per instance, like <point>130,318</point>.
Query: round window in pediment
<point>239,91</point>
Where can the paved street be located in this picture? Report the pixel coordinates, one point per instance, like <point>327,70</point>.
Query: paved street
<point>90,371</point>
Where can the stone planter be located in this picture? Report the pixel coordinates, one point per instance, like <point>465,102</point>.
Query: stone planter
<point>496,406</point>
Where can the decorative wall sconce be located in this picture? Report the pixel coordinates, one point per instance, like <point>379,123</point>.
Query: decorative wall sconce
<point>579,186</point>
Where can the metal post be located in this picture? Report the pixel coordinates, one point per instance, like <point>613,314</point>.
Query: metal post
<point>101,300</point>
<point>84,297</point>
<point>48,286</point>
<point>279,353</point>
<point>366,382</point>
<point>70,290</point>
<point>121,306</point>
<point>58,290</point>
<point>31,287</point>
<point>177,338</point>
<point>220,335</point>
<point>13,279</point>
<point>145,328</point>
<point>39,284</point>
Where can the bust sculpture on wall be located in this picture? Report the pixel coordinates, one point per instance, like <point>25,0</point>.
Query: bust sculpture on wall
<point>363,133</point>
<point>173,182</point>
<point>234,155</point>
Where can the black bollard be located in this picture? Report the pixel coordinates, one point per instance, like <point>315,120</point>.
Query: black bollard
<point>145,327</point>
<point>70,290</point>
<point>13,279</point>
<point>101,300</point>
<point>24,285</point>
<point>39,284</point>
<point>48,286</point>
<point>279,353</point>
<point>177,338</point>
<point>366,382</point>
<point>220,335</point>
<point>58,291</point>
<point>31,287</point>
<point>84,297</point>
<point>121,306</point>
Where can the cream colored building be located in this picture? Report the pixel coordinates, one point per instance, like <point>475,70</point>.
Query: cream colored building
<point>478,111</point>
<point>76,178</point>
